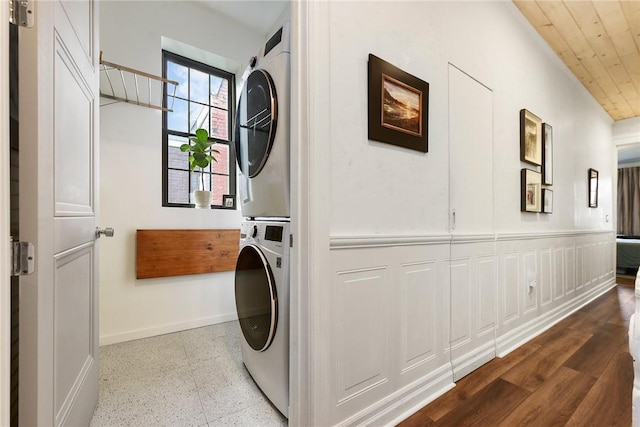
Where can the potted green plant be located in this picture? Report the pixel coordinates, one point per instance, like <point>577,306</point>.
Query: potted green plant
<point>201,153</point>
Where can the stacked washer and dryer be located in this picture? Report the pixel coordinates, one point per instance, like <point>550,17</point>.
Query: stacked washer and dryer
<point>262,271</point>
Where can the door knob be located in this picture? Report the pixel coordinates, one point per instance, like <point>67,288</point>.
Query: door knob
<point>107,232</point>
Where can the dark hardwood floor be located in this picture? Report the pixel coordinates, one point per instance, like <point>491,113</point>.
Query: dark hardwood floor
<point>578,373</point>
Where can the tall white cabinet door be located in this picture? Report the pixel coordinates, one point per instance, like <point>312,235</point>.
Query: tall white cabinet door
<point>472,265</point>
<point>58,382</point>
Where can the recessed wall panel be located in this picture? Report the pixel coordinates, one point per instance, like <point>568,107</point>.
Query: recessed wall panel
<point>460,302</point>
<point>545,277</point>
<point>588,264</point>
<point>510,285</point>
<point>418,314</point>
<point>579,267</point>
<point>361,328</point>
<point>487,295</point>
<point>571,268</point>
<point>558,270</point>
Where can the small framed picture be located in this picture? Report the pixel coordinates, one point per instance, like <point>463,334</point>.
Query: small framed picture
<point>530,138</point>
<point>229,201</point>
<point>531,186</point>
<point>593,188</point>
<point>398,106</point>
<point>547,201</point>
<point>547,154</point>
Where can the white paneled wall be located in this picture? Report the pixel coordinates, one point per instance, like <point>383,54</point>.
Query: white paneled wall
<point>390,322</point>
<point>562,278</point>
<point>472,301</point>
<point>413,315</point>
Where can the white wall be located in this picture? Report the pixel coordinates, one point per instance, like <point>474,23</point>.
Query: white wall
<point>376,184</point>
<point>380,298</point>
<point>131,175</point>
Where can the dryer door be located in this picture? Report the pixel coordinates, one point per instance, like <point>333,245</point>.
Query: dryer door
<point>256,121</point>
<point>256,299</point>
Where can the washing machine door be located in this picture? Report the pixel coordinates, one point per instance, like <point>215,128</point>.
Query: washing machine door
<point>256,298</point>
<point>256,121</point>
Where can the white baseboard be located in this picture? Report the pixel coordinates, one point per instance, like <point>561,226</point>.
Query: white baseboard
<point>167,328</point>
<point>406,401</point>
<point>513,339</point>
<point>471,361</point>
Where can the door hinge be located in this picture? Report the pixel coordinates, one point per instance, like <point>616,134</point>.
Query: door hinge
<point>21,13</point>
<point>290,240</point>
<point>23,258</point>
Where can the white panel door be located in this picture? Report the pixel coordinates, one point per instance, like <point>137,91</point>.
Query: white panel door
<point>470,154</point>
<point>58,209</point>
<point>472,267</point>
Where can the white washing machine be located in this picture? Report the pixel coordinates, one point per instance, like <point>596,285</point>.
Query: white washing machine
<point>262,131</point>
<point>262,302</point>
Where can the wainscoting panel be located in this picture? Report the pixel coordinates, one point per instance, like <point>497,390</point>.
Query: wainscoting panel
<point>579,267</point>
<point>487,297</point>
<point>574,269</point>
<point>510,306</point>
<point>545,276</point>
<point>558,273</point>
<point>418,314</point>
<point>411,314</point>
<point>473,296</point>
<point>570,255</point>
<point>460,303</point>
<point>390,323</point>
<point>362,322</point>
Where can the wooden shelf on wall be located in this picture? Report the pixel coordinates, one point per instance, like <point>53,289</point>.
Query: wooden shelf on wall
<point>166,253</point>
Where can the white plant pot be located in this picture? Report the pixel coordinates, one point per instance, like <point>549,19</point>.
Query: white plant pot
<point>202,199</point>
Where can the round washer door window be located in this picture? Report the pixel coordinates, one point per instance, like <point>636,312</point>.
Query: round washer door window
<point>256,121</point>
<point>256,299</point>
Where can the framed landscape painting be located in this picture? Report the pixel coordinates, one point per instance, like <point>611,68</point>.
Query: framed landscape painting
<point>530,138</point>
<point>531,191</point>
<point>398,106</point>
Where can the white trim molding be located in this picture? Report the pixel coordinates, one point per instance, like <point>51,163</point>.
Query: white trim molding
<point>380,240</point>
<point>167,328</point>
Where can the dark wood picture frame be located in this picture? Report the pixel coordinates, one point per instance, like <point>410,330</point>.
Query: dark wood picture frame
<point>228,201</point>
<point>530,191</point>
<point>530,138</point>
<point>398,106</point>
<point>593,188</point>
<point>547,201</point>
<point>547,154</point>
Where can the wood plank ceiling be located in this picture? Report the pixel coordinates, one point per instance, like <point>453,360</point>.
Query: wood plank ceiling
<point>600,43</point>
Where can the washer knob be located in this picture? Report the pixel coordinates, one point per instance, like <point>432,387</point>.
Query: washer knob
<point>253,61</point>
<point>254,232</point>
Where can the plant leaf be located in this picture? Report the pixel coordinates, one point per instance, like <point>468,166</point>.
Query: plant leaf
<point>202,135</point>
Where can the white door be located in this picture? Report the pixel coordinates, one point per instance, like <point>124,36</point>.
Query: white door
<point>472,266</point>
<point>58,383</point>
<point>5,285</point>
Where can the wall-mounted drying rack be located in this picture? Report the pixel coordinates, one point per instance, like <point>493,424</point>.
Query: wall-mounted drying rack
<point>114,79</point>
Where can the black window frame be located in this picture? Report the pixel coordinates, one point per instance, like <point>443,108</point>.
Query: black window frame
<point>187,62</point>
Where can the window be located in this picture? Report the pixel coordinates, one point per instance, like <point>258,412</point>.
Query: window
<point>204,98</point>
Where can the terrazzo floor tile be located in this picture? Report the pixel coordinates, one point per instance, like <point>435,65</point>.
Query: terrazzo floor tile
<point>261,414</point>
<point>191,378</point>
<point>210,342</point>
<point>144,357</point>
